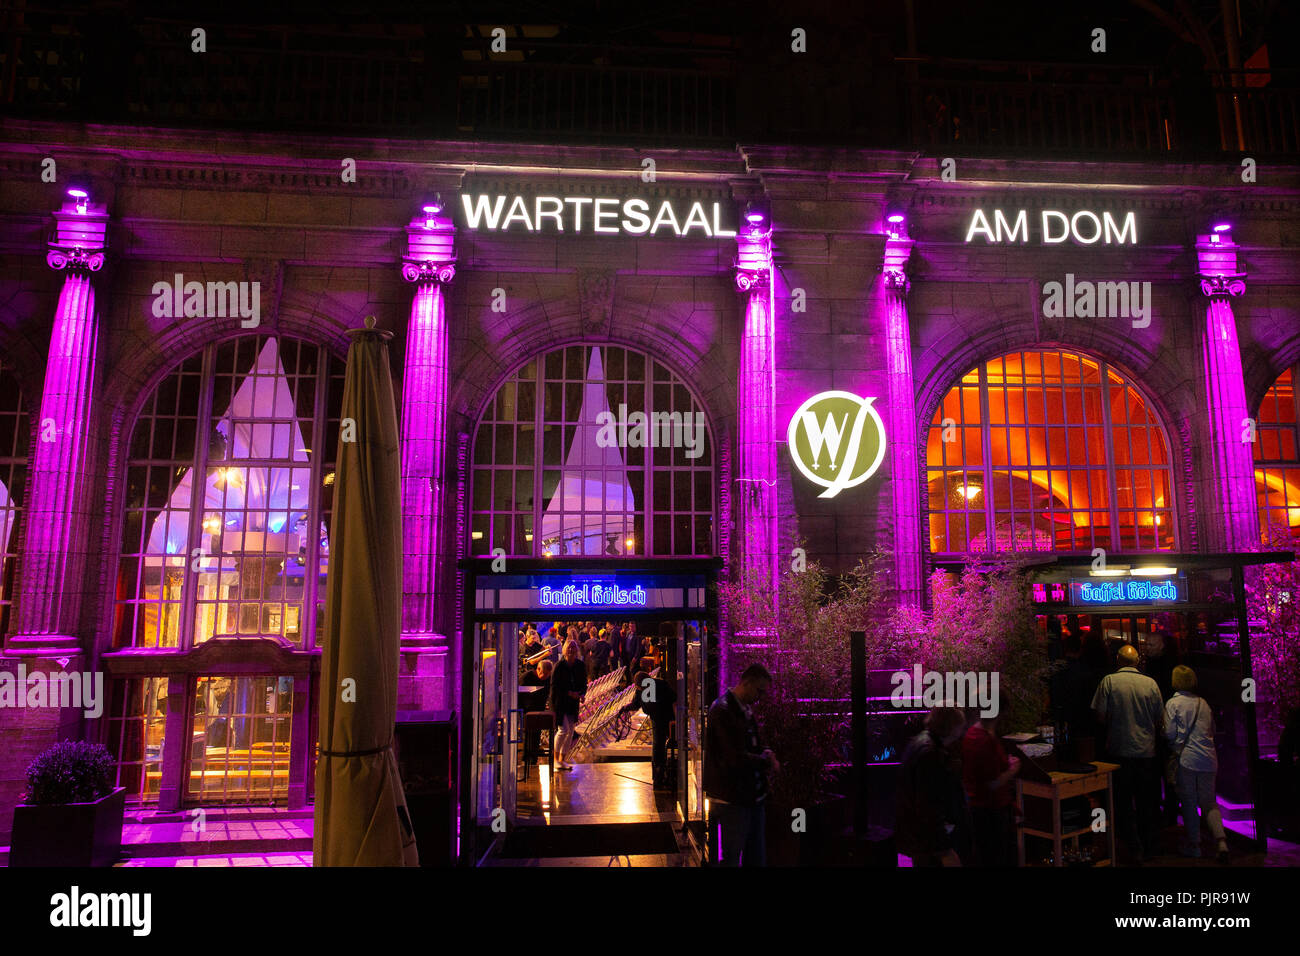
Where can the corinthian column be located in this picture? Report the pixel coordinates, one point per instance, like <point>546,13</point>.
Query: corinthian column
<point>755,482</point>
<point>53,581</point>
<point>430,265</point>
<point>901,426</point>
<point>1229,508</point>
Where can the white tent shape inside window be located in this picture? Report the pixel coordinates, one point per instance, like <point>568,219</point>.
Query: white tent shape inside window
<point>258,508</point>
<point>592,510</point>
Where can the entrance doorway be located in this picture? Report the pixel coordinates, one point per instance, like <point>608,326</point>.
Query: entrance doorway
<point>660,618</point>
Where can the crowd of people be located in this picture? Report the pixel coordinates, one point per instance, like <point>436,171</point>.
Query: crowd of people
<point>561,659</point>
<point>957,782</point>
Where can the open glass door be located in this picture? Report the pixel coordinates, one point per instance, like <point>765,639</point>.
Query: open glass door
<point>497,725</point>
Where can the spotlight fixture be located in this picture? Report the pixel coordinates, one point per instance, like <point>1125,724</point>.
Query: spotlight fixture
<point>431,210</point>
<point>754,214</point>
<point>80,197</point>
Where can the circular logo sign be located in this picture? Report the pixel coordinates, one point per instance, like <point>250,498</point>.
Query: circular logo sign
<point>837,439</point>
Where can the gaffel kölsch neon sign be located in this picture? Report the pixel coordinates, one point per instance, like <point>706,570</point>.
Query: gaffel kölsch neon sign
<point>591,214</point>
<point>592,595</point>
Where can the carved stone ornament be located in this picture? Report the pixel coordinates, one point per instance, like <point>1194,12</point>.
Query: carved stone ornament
<point>428,271</point>
<point>596,298</point>
<point>896,281</point>
<point>74,259</point>
<point>750,280</point>
<point>1226,285</point>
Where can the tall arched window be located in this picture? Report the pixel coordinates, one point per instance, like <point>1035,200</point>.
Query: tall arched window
<point>1277,459</point>
<point>1047,450</point>
<point>15,436</point>
<point>253,423</point>
<point>561,467</point>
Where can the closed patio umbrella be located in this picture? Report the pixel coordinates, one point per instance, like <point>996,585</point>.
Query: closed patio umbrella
<point>361,817</point>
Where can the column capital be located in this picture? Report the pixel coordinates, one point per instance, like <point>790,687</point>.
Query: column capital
<point>754,257</point>
<point>898,251</point>
<point>1223,285</point>
<point>430,248</point>
<point>427,270</point>
<point>79,239</point>
<point>1216,263</point>
<point>896,280</point>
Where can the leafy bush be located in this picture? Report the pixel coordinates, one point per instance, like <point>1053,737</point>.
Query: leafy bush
<point>801,625</point>
<point>70,772</point>
<point>1272,593</point>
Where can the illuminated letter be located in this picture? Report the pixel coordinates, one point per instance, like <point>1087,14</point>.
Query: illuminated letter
<point>1074,227</point>
<point>602,213</point>
<point>1065,226</point>
<point>693,220</point>
<point>718,231</point>
<point>665,215</point>
<point>577,210</point>
<point>637,209</point>
<point>1129,228</point>
<point>556,213</point>
<point>979,224</point>
<point>1022,226</point>
<point>518,211</point>
<point>479,209</point>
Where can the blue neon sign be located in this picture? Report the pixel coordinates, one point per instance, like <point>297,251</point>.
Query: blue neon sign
<point>592,595</point>
<point>1095,593</point>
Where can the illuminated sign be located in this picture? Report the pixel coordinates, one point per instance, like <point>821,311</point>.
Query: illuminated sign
<point>837,440</point>
<point>592,595</point>
<point>1127,591</point>
<point>1083,227</point>
<point>601,215</point>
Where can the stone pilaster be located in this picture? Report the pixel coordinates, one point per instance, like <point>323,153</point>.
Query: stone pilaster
<point>1228,513</point>
<point>53,572</point>
<point>900,423</point>
<point>430,264</point>
<point>754,484</point>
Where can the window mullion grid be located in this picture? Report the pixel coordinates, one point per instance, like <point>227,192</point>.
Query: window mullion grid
<point>539,443</point>
<point>986,438</point>
<point>311,573</point>
<point>198,500</point>
<point>1109,448</point>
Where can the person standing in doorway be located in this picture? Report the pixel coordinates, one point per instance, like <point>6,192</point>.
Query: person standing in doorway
<point>1189,729</point>
<point>932,820</point>
<point>736,766</point>
<point>568,685</point>
<point>1129,704</point>
<point>657,698</point>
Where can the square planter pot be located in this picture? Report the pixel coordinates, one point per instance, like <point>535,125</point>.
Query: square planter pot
<point>69,834</point>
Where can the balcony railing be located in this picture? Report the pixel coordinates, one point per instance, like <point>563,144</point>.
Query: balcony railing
<point>289,79</point>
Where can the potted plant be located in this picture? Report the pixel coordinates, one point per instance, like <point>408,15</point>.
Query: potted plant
<point>71,814</point>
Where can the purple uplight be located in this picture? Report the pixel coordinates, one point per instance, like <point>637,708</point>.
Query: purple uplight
<point>1222,226</point>
<point>755,216</point>
<point>895,218</point>
<point>78,193</point>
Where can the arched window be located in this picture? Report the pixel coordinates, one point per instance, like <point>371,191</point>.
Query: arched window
<point>253,423</point>
<point>1047,450</point>
<point>561,466</point>
<point>15,436</point>
<point>1277,459</point>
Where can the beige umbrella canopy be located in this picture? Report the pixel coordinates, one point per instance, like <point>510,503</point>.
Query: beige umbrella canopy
<point>361,817</point>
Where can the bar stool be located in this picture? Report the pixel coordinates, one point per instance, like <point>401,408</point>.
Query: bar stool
<point>535,721</point>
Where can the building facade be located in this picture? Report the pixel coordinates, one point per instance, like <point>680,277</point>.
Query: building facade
<point>1060,356</point>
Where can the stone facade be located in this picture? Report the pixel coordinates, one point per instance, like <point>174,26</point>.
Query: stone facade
<point>328,252</point>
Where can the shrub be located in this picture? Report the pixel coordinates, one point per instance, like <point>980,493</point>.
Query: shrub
<point>70,772</point>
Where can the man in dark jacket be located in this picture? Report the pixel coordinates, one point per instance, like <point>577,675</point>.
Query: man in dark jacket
<point>658,699</point>
<point>931,804</point>
<point>736,765</point>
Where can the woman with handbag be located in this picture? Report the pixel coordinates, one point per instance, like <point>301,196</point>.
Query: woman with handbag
<point>1193,762</point>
